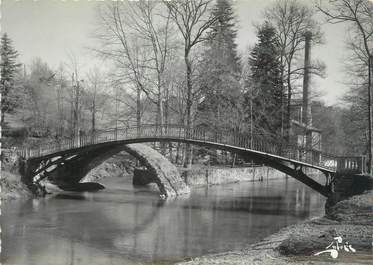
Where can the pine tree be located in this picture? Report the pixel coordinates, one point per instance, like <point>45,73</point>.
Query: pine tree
<point>266,81</point>
<point>223,34</point>
<point>219,77</point>
<point>9,68</point>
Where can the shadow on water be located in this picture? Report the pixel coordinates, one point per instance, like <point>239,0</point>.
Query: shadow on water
<point>123,224</point>
<point>255,205</point>
<point>66,196</point>
<point>81,229</point>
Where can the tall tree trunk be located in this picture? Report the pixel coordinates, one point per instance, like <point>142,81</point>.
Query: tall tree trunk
<point>288,112</point>
<point>283,123</point>
<point>160,117</point>
<point>166,116</point>
<point>188,148</point>
<point>72,118</point>
<point>370,148</point>
<point>93,121</point>
<point>138,111</point>
<point>177,158</point>
<point>76,112</point>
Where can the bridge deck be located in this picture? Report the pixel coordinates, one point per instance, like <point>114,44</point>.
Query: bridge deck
<point>173,133</point>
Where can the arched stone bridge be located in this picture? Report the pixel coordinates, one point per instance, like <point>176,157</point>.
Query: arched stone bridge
<point>73,158</point>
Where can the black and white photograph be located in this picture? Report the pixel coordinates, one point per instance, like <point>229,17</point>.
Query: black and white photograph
<point>188,132</point>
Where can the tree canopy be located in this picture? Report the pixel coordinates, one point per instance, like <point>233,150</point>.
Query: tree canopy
<point>9,67</point>
<point>266,92</point>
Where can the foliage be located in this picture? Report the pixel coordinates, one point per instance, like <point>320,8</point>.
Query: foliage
<point>9,67</point>
<point>219,74</point>
<point>266,93</point>
<point>38,98</point>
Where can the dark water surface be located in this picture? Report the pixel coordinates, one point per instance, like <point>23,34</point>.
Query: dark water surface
<point>124,225</point>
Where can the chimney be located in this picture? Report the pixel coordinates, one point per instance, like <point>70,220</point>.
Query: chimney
<point>306,113</point>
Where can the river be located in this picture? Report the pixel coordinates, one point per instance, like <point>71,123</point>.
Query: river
<point>127,225</point>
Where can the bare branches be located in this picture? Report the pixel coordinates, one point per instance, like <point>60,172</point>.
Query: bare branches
<point>137,37</point>
<point>292,20</point>
<point>193,18</point>
<point>359,14</point>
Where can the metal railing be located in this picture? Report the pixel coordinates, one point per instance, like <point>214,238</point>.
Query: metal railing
<point>351,164</point>
<point>226,137</point>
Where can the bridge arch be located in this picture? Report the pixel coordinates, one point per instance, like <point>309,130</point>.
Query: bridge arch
<point>69,168</point>
<point>291,167</point>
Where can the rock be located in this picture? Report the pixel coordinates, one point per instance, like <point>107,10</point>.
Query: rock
<point>355,210</point>
<point>307,243</point>
<point>352,219</point>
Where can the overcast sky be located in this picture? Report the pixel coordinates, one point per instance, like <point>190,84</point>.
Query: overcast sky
<point>51,29</point>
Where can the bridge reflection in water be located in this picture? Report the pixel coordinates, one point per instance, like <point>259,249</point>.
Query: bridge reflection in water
<point>123,225</point>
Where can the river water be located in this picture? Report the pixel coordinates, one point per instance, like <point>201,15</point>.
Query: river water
<point>127,225</point>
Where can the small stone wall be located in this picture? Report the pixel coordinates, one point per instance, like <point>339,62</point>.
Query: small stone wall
<point>214,176</point>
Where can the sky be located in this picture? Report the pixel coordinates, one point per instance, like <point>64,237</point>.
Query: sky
<point>53,29</point>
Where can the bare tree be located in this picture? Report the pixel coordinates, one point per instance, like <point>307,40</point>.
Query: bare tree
<point>292,20</point>
<point>76,93</point>
<point>60,91</point>
<point>39,89</point>
<point>359,13</point>
<point>95,89</point>
<point>138,37</point>
<point>156,31</point>
<point>125,49</point>
<point>192,18</point>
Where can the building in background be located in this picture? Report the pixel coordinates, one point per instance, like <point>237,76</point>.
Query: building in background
<point>300,132</point>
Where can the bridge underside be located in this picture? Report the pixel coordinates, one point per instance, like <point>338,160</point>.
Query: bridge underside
<point>72,165</point>
<point>66,170</point>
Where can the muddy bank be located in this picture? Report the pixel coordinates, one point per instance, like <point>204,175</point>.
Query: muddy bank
<point>351,219</point>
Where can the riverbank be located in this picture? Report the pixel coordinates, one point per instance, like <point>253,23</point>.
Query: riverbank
<point>351,219</point>
<point>12,187</point>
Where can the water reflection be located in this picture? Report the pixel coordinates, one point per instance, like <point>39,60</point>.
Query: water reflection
<point>121,225</point>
